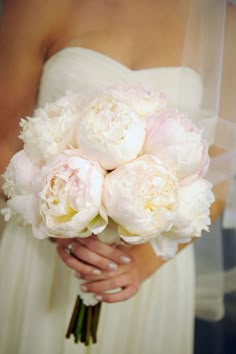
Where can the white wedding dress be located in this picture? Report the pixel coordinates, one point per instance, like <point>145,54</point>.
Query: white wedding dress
<point>37,291</point>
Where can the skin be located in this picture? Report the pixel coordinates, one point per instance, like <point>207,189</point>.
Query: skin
<point>28,37</point>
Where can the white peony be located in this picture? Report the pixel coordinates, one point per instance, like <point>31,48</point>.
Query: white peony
<point>51,130</point>
<point>110,132</point>
<point>193,213</point>
<point>141,196</point>
<point>164,247</point>
<point>143,101</point>
<point>192,217</point>
<point>19,175</point>
<point>70,198</point>
<point>24,207</point>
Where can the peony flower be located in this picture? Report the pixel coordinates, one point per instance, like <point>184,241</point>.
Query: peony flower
<point>141,196</point>
<point>70,198</point>
<point>51,130</point>
<point>24,207</point>
<point>110,132</point>
<point>178,143</point>
<point>143,101</point>
<point>192,217</point>
<point>193,212</point>
<point>19,175</point>
<point>165,247</point>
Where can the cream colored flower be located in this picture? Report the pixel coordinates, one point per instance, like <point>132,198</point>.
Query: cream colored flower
<point>51,130</point>
<point>141,197</point>
<point>19,175</point>
<point>110,132</point>
<point>70,197</point>
<point>142,100</point>
<point>173,138</point>
<point>193,213</point>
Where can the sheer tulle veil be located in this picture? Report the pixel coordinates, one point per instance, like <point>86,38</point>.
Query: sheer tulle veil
<point>210,37</point>
<point>209,49</point>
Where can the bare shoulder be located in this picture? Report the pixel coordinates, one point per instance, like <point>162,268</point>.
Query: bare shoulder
<point>231,16</point>
<point>27,29</point>
<point>34,21</point>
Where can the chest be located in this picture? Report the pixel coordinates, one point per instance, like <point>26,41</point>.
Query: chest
<point>141,35</point>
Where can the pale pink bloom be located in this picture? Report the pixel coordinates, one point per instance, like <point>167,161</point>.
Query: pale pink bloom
<point>19,175</point>
<point>110,132</point>
<point>173,138</point>
<point>192,218</point>
<point>25,208</point>
<point>141,197</point>
<point>142,100</point>
<point>70,198</point>
<point>19,178</point>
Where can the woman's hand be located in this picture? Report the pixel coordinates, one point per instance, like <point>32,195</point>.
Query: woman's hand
<point>105,267</point>
<point>90,256</point>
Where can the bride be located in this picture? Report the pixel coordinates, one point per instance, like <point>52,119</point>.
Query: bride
<point>48,48</point>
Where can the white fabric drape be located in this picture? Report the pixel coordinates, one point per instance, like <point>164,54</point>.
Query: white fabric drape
<point>210,49</point>
<point>216,23</point>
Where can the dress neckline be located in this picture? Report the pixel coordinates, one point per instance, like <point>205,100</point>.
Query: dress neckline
<point>109,59</point>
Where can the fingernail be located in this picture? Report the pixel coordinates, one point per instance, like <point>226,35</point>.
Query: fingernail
<point>125,259</point>
<point>99,297</point>
<point>83,288</point>
<point>96,271</point>
<point>112,266</point>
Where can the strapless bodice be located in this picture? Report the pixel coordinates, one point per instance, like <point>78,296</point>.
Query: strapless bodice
<point>77,69</point>
<point>84,70</point>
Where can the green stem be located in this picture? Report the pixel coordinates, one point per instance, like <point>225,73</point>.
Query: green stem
<point>73,317</point>
<point>88,325</point>
<point>84,322</point>
<point>83,329</point>
<point>80,322</point>
<point>96,315</point>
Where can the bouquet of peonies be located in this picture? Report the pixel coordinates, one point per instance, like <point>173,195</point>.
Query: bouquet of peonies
<point>120,164</point>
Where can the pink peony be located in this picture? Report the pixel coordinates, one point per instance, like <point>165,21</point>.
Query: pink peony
<point>173,138</point>
<point>19,175</point>
<point>70,198</point>
<point>141,197</point>
<point>143,101</point>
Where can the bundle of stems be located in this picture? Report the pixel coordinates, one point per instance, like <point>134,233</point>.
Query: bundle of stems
<point>84,322</point>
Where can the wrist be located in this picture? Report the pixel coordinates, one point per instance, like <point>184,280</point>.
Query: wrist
<point>146,259</point>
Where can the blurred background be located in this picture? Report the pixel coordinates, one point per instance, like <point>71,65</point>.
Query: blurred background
<point>219,335</point>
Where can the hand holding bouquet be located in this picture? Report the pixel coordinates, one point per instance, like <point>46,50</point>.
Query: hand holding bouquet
<point>121,164</point>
